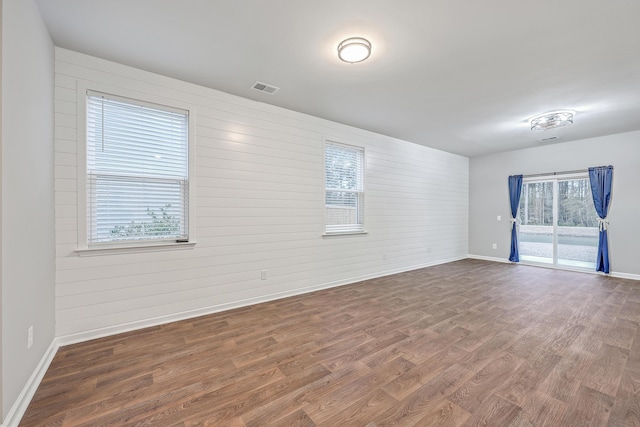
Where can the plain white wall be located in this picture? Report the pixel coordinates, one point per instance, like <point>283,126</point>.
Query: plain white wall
<point>259,205</point>
<point>27,194</point>
<point>489,197</point>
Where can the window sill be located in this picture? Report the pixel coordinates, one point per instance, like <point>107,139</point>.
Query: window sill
<point>345,234</point>
<point>152,247</point>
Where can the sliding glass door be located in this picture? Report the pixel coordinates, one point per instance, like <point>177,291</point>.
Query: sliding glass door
<point>559,224</point>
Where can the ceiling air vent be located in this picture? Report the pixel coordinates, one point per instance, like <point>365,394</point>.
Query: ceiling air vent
<point>263,87</point>
<point>551,138</point>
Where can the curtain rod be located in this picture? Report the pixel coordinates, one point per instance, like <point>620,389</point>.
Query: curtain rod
<point>555,173</point>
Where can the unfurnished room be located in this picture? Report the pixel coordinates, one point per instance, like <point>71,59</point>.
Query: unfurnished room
<point>319,213</point>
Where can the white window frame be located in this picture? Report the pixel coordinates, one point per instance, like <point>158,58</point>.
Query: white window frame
<point>355,232</point>
<point>83,247</point>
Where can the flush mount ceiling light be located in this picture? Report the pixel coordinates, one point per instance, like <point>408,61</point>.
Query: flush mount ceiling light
<point>354,49</point>
<point>552,120</point>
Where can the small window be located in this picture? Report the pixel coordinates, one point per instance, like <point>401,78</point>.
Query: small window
<point>137,171</point>
<point>344,188</point>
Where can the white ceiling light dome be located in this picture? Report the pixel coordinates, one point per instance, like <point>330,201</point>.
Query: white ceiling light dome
<point>354,49</point>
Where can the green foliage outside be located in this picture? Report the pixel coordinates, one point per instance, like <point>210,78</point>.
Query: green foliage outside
<point>160,225</point>
<point>536,203</point>
<point>575,204</point>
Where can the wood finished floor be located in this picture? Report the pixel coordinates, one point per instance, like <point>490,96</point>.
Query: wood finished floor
<point>464,343</point>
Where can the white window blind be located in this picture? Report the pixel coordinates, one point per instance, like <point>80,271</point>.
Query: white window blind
<point>344,182</point>
<point>137,171</point>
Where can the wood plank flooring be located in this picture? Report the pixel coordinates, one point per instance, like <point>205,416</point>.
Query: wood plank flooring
<point>465,343</point>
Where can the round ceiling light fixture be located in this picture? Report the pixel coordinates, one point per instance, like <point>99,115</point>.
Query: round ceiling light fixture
<point>552,120</point>
<point>354,49</point>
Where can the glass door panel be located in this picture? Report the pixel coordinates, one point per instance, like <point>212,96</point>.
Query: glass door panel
<point>536,222</point>
<point>577,224</point>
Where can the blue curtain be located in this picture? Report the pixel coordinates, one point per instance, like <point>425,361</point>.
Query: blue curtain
<point>515,189</point>
<point>600,179</point>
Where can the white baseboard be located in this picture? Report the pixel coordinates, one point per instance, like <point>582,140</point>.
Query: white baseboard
<point>625,275</point>
<point>611,274</point>
<point>19,407</point>
<point>146,323</point>
<point>488,258</point>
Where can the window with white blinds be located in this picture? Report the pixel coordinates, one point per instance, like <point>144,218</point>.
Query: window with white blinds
<point>137,171</point>
<point>344,188</point>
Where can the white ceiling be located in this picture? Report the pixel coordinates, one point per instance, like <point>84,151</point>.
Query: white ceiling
<point>459,75</point>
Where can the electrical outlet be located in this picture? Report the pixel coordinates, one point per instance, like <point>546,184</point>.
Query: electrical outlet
<point>495,246</point>
<point>499,218</point>
<point>384,257</point>
<point>263,275</point>
<point>29,337</point>
<point>428,249</point>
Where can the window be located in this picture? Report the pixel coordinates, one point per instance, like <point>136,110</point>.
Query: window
<point>344,188</point>
<point>137,174</point>
<point>559,224</point>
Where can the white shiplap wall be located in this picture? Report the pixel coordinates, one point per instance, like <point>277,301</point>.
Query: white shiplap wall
<point>259,205</point>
